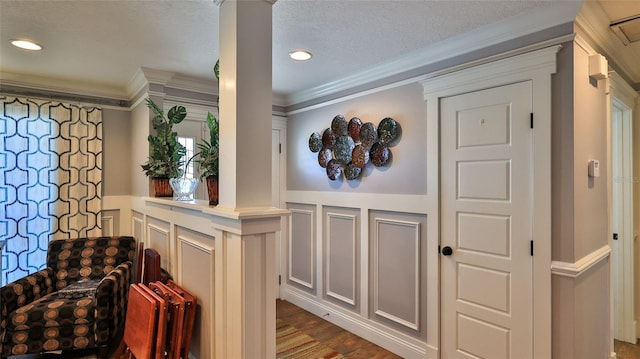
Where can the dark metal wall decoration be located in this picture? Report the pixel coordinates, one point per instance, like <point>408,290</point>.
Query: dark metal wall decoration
<point>346,148</point>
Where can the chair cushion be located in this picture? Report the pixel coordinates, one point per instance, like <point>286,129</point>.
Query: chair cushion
<point>78,259</point>
<point>55,321</point>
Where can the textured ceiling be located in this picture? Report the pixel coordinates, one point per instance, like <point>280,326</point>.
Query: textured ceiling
<point>105,42</point>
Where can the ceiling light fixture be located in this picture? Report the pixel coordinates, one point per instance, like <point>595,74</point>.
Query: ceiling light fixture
<point>300,55</point>
<point>26,44</point>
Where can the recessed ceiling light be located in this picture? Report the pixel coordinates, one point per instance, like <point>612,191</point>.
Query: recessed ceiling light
<point>26,44</point>
<point>300,55</point>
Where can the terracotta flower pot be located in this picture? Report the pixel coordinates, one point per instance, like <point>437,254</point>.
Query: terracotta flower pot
<point>212,189</point>
<point>161,187</point>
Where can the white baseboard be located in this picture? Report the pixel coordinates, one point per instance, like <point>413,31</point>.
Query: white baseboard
<point>387,338</point>
<point>613,355</point>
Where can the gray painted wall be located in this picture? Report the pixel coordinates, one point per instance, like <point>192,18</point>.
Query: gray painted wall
<point>406,173</point>
<point>580,306</point>
<point>590,142</point>
<point>117,156</point>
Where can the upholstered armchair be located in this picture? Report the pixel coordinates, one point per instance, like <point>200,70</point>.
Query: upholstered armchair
<point>77,302</point>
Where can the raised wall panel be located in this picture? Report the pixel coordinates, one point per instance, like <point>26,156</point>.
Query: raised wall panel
<point>107,225</point>
<point>159,238</point>
<point>301,247</point>
<point>398,271</point>
<point>196,263</point>
<point>137,226</point>
<point>111,222</point>
<point>341,258</point>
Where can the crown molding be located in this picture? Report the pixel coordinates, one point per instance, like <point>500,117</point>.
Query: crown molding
<point>73,87</point>
<point>219,2</point>
<point>145,76</point>
<point>197,84</point>
<point>622,90</point>
<point>136,84</point>
<point>488,35</point>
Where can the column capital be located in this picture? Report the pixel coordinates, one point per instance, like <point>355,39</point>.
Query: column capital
<point>219,2</point>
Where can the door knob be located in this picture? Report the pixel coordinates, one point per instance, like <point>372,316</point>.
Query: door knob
<point>447,251</point>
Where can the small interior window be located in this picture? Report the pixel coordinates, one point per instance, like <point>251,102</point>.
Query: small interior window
<point>190,144</point>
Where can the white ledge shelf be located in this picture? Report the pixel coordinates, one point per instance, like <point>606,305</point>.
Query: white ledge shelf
<point>219,211</point>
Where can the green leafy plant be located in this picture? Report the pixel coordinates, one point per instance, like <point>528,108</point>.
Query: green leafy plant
<point>166,153</point>
<point>209,150</point>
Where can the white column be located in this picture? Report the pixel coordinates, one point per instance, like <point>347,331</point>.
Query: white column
<point>245,224</point>
<point>245,104</point>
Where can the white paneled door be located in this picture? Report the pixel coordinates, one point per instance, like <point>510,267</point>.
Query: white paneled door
<point>486,213</point>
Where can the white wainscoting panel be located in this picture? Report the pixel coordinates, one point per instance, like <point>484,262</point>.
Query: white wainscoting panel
<point>396,271</point>
<point>196,263</point>
<point>301,247</point>
<point>341,260</point>
<point>137,226</point>
<point>159,238</point>
<point>107,225</point>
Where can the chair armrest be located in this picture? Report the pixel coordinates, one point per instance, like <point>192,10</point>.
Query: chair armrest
<point>111,302</point>
<point>24,291</point>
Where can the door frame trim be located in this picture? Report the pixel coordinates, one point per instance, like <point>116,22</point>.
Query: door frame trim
<point>537,67</point>
<point>622,98</point>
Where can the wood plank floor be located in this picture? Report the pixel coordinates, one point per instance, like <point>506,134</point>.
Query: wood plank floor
<point>342,341</point>
<point>626,350</point>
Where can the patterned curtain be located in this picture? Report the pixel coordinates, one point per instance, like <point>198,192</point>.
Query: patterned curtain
<point>50,179</point>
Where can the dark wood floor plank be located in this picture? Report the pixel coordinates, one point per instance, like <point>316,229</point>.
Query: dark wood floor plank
<point>626,350</point>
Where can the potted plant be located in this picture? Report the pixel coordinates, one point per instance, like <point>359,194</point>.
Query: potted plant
<point>207,158</point>
<point>165,152</point>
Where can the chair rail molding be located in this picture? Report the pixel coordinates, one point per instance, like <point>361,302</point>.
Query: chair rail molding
<point>574,270</point>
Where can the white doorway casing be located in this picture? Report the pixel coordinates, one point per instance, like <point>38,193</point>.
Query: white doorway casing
<point>623,245</point>
<point>278,188</point>
<point>537,67</point>
<point>485,194</point>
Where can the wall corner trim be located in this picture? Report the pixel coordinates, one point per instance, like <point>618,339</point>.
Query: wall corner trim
<point>574,270</point>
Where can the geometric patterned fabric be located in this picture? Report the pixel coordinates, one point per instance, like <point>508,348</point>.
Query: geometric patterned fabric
<point>42,313</point>
<point>50,179</point>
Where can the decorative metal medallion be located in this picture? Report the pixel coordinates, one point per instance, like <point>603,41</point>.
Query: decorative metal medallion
<point>360,156</point>
<point>315,142</point>
<point>324,156</point>
<point>343,148</point>
<point>339,126</point>
<point>348,147</point>
<point>334,170</point>
<point>387,130</point>
<point>379,154</point>
<point>368,134</point>
<point>328,138</point>
<point>354,128</point>
<point>352,172</point>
